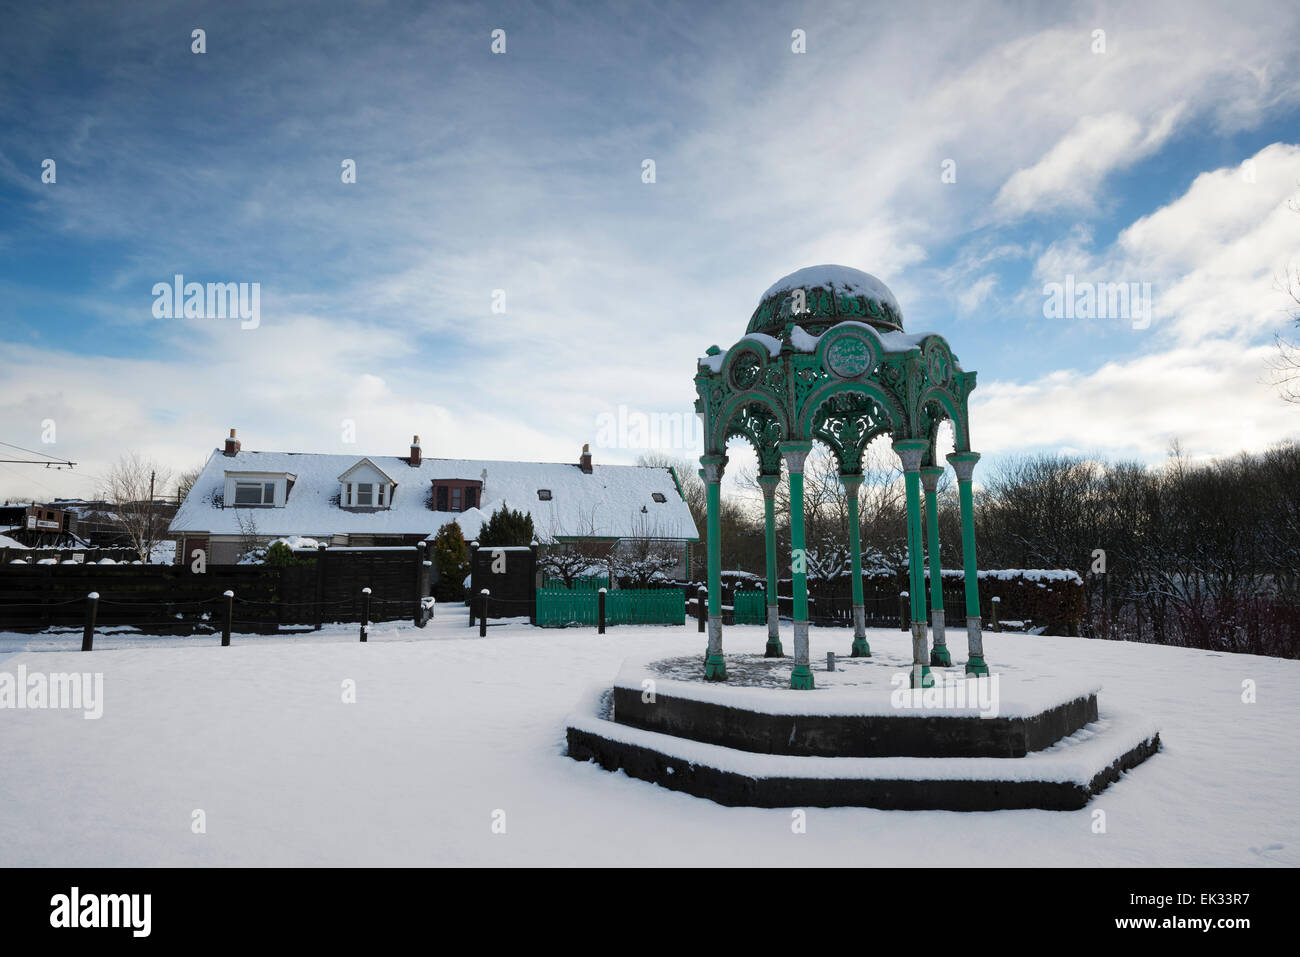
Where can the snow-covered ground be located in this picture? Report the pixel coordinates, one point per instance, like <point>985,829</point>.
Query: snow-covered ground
<point>449,729</point>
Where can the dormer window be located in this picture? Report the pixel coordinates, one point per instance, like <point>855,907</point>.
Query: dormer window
<point>257,489</point>
<point>658,496</point>
<point>254,493</point>
<point>544,494</point>
<point>366,485</point>
<point>455,495</point>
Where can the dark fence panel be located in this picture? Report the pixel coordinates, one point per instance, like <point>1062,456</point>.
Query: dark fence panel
<point>510,576</point>
<point>172,599</point>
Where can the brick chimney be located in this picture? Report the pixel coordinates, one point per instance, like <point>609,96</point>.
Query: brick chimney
<point>414,460</point>
<point>232,444</point>
<point>584,462</point>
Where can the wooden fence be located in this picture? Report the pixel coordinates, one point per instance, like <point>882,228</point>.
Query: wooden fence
<point>89,556</point>
<point>322,585</point>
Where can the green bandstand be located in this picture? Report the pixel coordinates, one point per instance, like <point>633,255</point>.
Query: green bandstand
<point>825,358</point>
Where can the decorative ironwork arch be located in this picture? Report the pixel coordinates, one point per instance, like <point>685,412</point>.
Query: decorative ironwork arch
<point>848,416</point>
<point>952,410</point>
<point>756,423</point>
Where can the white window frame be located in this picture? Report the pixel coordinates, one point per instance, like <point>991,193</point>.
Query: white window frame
<point>261,485</point>
<point>381,495</point>
<point>279,482</point>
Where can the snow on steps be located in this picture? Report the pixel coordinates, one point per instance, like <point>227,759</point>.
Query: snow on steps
<point>1063,777</point>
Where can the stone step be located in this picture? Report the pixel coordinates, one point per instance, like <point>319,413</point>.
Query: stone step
<point>933,734</point>
<point>1062,777</point>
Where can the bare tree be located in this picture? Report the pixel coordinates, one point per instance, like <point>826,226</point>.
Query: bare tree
<point>1286,364</point>
<point>185,481</point>
<point>249,541</point>
<point>575,553</point>
<point>131,486</point>
<point>645,556</point>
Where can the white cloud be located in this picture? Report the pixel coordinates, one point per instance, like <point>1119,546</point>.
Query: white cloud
<point>1201,372</point>
<point>1210,396</point>
<point>1067,177</point>
<point>1211,255</point>
<point>978,291</point>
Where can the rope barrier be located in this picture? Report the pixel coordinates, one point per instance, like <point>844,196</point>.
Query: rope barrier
<point>161,601</point>
<point>48,604</point>
<point>294,604</point>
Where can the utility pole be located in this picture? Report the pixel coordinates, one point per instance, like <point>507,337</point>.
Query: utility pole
<point>148,544</point>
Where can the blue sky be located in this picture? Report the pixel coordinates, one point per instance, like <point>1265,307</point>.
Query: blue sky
<point>1168,158</point>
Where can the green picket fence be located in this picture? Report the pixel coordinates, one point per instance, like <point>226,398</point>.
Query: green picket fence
<point>587,583</point>
<point>750,607</point>
<point>562,607</point>
<point>645,606</point>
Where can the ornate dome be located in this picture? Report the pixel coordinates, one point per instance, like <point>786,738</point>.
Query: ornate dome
<point>831,294</point>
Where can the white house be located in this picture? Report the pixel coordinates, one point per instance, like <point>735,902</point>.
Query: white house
<point>242,499</point>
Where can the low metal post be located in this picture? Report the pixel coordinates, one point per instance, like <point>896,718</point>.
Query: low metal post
<point>418,616</point>
<point>321,548</point>
<point>365,612</point>
<point>92,608</point>
<point>482,613</point>
<point>600,612</point>
<point>230,615</point>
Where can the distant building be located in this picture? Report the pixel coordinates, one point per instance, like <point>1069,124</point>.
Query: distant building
<point>35,525</point>
<point>244,499</point>
<point>96,522</point>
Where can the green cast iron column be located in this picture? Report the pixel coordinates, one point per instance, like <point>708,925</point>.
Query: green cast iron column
<point>939,654</point>
<point>715,668</point>
<point>852,483</point>
<point>801,677</point>
<point>963,463</point>
<point>911,451</point>
<point>768,484</point>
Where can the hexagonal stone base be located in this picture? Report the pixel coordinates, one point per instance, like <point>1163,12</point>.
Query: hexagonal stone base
<point>1095,750</point>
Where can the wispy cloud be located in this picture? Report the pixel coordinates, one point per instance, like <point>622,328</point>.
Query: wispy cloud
<point>522,173</point>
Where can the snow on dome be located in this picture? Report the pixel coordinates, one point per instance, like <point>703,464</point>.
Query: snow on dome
<point>832,294</point>
<point>855,282</point>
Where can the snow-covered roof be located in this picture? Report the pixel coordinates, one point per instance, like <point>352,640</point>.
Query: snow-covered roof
<point>607,502</point>
<point>364,462</point>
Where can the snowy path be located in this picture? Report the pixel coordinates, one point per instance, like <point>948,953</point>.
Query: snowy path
<point>448,728</point>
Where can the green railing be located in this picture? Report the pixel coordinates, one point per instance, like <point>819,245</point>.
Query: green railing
<point>562,607</point>
<point>750,607</point>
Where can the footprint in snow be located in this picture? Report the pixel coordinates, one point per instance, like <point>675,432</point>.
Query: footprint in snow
<point>1262,851</point>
